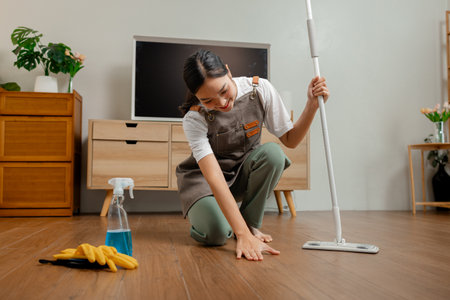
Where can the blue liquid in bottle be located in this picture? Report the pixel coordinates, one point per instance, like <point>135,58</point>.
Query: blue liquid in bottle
<point>121,240</point>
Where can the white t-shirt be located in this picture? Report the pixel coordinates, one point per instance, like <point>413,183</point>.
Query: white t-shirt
<point>277,119</point>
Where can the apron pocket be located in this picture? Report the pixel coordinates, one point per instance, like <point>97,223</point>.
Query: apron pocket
<point>229,144</point>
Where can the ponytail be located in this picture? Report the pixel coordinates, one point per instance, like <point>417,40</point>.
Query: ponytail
<point>190,101</point>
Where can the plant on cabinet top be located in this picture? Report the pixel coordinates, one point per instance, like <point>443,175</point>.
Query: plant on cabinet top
<point>54,57</point>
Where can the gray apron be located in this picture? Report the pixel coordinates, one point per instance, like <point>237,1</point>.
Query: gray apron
<point>233,136</point>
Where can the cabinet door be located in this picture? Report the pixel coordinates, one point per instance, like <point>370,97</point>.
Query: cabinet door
<point>145,162</point>
<point>36,138</point>
<point>180,151</point>
<point>178,133</point>
<point>35,185</point>
<point>296,177</point>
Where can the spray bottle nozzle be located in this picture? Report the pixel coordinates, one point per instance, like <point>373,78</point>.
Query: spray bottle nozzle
<point>121,183</point>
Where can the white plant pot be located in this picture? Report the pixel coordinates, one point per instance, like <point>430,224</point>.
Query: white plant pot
<point>46,84</point>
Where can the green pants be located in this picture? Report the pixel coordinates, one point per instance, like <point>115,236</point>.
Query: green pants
<point>259,175</point>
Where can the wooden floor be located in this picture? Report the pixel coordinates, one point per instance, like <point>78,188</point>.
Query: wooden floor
<point>413,263</point>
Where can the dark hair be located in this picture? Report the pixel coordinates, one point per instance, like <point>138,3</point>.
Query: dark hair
<point>197,67</point>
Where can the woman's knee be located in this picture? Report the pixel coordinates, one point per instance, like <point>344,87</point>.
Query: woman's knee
<point>273,155</point>
<point>215,234</point>
<point>209,225</point>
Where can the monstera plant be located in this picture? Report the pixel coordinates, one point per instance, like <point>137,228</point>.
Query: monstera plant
<point>31,52</point>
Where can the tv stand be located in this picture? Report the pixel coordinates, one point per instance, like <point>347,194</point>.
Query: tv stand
<point>149,152</point>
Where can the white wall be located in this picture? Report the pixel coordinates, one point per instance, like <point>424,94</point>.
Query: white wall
<point>384,60</point>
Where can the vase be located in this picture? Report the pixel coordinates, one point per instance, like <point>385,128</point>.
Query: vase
<point>70,87</point>
<point>46,84</point>
<point>439,134</point>
<point>441,185</point>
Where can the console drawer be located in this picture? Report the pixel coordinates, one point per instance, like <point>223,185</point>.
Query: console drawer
<point>130,130</point>
<point>145,162</point>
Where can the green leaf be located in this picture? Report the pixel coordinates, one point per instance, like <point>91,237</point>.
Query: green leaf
<point>25,37</point>
<point>57,57</point>
<point>27,59</point>
<point>19,34</point>
<point>11,86</point>
<point>28,50</point>
<point>445,116</point>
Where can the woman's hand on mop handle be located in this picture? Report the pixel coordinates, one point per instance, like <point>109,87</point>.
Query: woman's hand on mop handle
<point>317,87</point>
<point>252,248</point>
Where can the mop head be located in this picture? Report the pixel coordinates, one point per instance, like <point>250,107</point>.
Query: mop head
<point>343,246</point>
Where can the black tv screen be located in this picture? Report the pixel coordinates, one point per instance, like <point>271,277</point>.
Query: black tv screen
<point>158,86</point>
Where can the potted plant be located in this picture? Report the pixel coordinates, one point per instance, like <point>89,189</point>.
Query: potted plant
<point>71,64</point>
<point>54,58</point>
<point>440,180</point>
<point>30,53</point>
<point>438,117</point>
<point>66,61</point>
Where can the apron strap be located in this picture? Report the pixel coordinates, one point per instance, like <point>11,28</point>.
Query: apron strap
<point>255,83</point>
<point>196,108</point>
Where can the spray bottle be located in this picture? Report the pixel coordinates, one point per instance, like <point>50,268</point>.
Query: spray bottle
<point>118,234</point>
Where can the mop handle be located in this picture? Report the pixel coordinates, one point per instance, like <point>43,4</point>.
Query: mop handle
<point>315,57</point>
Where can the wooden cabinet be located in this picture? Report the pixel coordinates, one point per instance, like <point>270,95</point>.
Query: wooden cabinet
<point>40,153</point>
<point>149,152</point>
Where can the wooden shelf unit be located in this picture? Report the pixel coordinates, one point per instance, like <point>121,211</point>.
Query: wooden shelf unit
<point>149,152</point>
<point>423,148</point>
<point>40,153</point>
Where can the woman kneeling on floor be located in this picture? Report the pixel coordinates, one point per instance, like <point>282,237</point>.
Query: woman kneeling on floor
<point>223,118</point>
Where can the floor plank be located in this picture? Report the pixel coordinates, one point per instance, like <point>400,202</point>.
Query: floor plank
<point>414,261</point>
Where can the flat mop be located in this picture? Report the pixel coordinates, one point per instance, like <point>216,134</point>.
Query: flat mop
<point>339,244</point>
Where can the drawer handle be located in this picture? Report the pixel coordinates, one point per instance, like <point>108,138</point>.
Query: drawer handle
<point>130,142</point>
<point>131,124</point>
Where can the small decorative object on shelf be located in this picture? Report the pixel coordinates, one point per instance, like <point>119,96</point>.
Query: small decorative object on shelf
<point>439,135</point>
<point>54,58</point>
<point>73,62</point>
<point>436,157</point>
<point>438,117</point>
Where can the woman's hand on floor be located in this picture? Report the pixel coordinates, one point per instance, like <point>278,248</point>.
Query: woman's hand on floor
<point>252,248</point>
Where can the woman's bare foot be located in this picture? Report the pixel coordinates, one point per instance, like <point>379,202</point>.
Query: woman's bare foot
<point>266,238</point>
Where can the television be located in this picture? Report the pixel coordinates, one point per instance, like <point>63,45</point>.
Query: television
<point>158,86</point>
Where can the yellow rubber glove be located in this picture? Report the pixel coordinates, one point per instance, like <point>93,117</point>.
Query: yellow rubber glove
<point>101,254</point>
